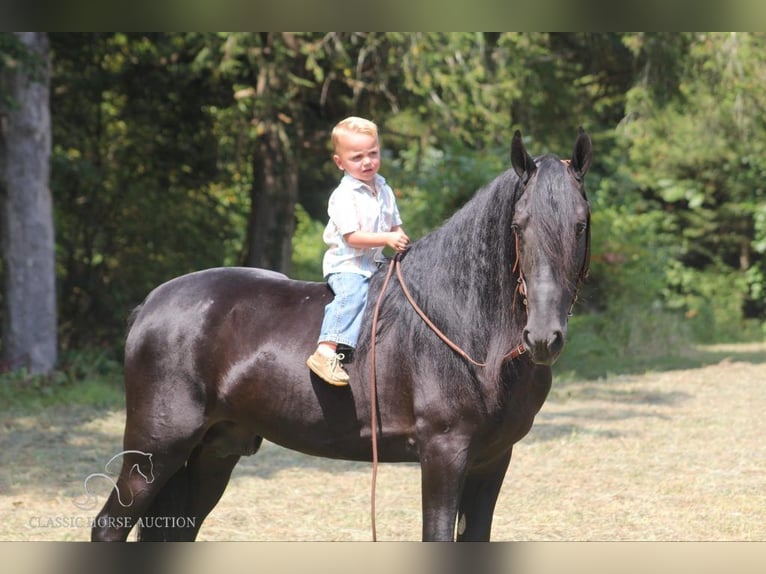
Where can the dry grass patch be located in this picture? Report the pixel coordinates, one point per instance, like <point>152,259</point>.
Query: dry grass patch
<point>676,455</point>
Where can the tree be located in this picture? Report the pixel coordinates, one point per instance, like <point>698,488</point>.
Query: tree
<point>288,91</point>
<point>696,136</point>
<point>274,191</point>
<point>28,251</point>
<point>135,177</point>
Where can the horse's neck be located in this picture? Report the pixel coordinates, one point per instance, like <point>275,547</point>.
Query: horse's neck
<point>467,265</point>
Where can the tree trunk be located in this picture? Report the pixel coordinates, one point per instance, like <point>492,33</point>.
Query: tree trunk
<point>273,196</point>
<point>26,214</point>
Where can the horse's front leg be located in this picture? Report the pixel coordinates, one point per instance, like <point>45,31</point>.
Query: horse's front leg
<point>443,462</point>
<point>478,499</point>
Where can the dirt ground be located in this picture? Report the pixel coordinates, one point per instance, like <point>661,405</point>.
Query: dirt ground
<point>668,456</point>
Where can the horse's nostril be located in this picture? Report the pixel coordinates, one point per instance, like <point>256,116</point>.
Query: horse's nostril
<point>557,342</point>
<point>525,339</point>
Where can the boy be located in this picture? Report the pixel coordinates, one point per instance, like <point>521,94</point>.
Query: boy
<point>364,219</point>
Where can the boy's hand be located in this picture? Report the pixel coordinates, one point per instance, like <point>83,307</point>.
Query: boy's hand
<point>398,241</point>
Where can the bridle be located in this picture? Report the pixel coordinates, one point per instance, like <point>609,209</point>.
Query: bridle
<point>584,268</point>
<point>521,283</point>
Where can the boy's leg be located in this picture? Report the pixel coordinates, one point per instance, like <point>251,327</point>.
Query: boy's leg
<point>341,325</point>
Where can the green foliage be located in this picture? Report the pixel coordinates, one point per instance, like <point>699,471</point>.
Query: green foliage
<point>627,313</point>
<point>697,152</point>
<point>90,377</point>
<point>431,184</point>
<point>134,176</point>
<point>308,247</point>
<point>156,159</point>
<point>713,301</point>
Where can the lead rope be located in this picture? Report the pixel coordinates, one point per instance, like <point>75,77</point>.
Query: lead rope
<point>374,399</point>
<point>396,264</point>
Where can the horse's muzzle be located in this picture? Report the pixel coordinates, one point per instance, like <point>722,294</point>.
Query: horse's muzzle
<point>543,347</point>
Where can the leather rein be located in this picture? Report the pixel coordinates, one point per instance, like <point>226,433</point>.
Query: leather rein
<point>395,265</point>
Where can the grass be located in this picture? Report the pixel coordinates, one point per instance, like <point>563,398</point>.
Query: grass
<point>601,345</point>
<point>596,366</point>
<point>673,452</point>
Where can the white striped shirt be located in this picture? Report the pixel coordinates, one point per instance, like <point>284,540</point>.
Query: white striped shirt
<point>354,207</point>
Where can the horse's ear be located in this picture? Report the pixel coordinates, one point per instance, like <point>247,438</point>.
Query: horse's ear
<point>521,161</point>
<point>581,156</point>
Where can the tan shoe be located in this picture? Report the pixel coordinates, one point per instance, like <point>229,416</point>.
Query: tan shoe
<point>329,369</point>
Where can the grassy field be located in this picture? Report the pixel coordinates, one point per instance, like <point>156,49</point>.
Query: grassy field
<point>674,453</point>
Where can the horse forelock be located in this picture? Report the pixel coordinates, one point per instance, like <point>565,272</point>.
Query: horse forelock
<point>551,203</point>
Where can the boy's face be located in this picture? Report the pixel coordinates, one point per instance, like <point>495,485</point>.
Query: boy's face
<point>359,155</point>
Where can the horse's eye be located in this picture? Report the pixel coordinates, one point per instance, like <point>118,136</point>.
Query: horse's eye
<point>581,227</point>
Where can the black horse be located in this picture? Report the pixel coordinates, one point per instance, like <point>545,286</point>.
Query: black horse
<point>215,362</point>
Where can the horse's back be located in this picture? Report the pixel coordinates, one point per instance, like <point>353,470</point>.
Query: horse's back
<point>200,324</point>
<point>223,287</point>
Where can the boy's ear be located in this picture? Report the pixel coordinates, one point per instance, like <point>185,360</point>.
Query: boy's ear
<point>336,159</point>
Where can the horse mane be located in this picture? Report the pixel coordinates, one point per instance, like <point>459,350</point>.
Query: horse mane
<point>462,275</point>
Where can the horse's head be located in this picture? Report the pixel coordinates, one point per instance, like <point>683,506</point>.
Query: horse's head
<point>551,227</point>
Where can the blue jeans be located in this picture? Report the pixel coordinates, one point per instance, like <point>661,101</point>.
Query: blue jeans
<point>343,315</point>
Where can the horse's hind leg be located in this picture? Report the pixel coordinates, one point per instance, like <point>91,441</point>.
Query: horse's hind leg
<point>210,475</point>
<point>151,457</point>
<point>477,503</point>
<point>141,477</point>
<point>183,504</point>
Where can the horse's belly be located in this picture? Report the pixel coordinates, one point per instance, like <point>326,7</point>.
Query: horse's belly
<point>360,451</point>
<point>328,430</point>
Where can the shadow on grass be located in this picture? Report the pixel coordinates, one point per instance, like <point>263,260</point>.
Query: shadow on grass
<point>602,420</point>
<point>601,392</point>
<point>54,450</point>
<point>591,366</point>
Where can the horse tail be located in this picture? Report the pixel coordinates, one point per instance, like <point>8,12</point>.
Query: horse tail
<point>167,519</point>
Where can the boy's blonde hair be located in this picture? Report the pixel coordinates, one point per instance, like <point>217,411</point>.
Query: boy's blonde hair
<point>353,124</point>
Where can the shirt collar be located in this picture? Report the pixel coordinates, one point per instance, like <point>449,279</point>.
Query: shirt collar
<point>358,184</point>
